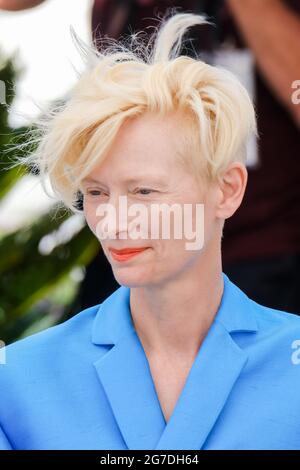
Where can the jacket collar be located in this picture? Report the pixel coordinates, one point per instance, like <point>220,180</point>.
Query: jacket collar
<point>113,319</point>
<point>125,375</point>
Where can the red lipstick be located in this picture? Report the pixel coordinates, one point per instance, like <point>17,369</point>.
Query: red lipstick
<point>126,253</point>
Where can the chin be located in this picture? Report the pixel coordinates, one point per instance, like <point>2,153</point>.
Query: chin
<point>131,277</point>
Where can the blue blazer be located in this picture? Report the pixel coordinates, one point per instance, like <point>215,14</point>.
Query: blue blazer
<point>86,383</point>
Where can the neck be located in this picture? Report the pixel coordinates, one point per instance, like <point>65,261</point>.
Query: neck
<point>174,317</point>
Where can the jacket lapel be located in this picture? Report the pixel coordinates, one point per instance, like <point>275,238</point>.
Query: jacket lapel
<point>125,373</point>
<point>216,368</point>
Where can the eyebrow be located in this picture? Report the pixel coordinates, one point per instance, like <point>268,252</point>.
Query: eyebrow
<point>90,180</point>
<point>150,179</point>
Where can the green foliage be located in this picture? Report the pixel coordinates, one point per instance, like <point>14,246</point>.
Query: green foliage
<point>27,276</point>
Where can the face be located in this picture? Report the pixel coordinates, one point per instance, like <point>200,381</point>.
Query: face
<point>144,166</point>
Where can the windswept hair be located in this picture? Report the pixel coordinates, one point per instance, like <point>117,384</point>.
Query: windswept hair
<point>124,79</point>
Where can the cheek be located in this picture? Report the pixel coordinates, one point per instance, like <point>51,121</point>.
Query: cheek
<point>89,212</point>
<point>208,221</point>
<point>172,253</point>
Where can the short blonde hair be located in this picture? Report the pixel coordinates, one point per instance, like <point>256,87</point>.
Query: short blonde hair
<point>128,78</point>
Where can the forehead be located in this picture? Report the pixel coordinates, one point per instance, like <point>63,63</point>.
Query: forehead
<point>147,143</point>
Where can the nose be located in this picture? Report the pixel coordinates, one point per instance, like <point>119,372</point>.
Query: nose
<point>113,223</point>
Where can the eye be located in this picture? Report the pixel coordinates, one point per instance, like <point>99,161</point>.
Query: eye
<point>94,192</point>
<point>145,191</point>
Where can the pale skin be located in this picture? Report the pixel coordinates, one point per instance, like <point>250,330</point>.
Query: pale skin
<point>174,293</point>
<point>270,29</point>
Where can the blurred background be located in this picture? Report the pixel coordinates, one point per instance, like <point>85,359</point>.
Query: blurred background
<point>51,266</point>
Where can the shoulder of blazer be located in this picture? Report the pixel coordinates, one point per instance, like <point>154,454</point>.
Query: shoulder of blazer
<point>271,319</point>
<point>25,353</point>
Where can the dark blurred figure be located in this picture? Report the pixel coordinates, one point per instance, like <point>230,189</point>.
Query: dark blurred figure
<point>258,39</point>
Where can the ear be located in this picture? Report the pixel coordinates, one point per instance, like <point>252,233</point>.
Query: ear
<point>232,186</point>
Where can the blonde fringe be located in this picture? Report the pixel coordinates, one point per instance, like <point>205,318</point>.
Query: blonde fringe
<point>122,80</point>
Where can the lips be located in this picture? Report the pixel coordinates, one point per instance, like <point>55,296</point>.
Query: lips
<point>125,253</point>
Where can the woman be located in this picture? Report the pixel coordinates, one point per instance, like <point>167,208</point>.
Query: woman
<point>178,357</point>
